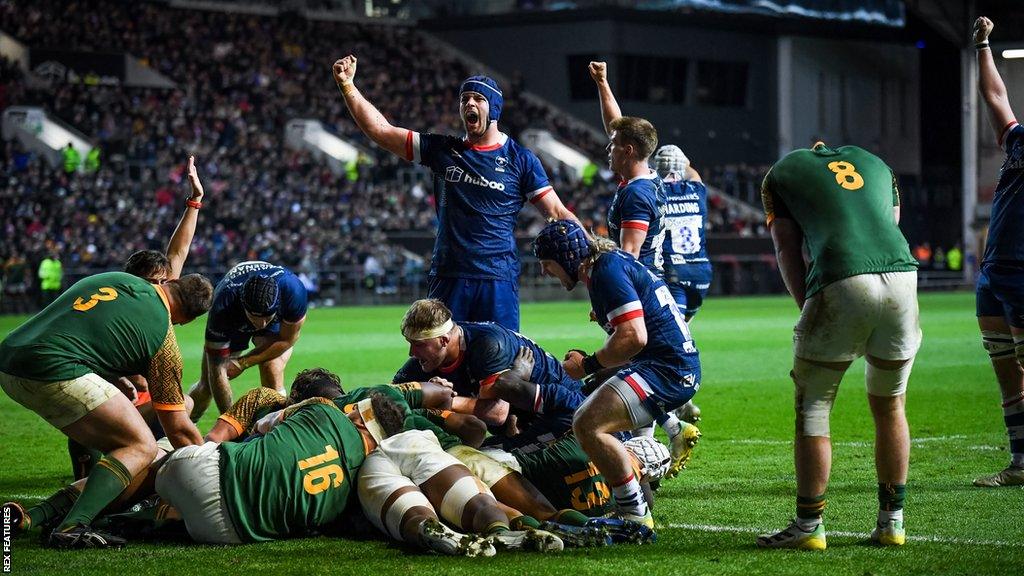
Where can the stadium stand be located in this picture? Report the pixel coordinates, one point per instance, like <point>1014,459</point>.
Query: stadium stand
<point>232,101</point>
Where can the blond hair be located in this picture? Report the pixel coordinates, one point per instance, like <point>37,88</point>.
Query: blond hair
<point>638,132</point>
<point>425,315</point>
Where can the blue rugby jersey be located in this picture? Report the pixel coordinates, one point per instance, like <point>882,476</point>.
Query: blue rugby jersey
<point>227,319</point>
<point>489,350</point>
<point>685,247</point>
<point>621,289</point>
<point>479,192</point>
<point>1005,234</point>
<point>640,204</point>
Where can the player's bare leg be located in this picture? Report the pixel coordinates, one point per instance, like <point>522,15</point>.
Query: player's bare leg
<point>812,455</point>
<point>999,339</point>
<point>892,452</point>
<point>116,429</point>
<point>465,502</point>
<point>603,413</point>
<point>272,371</point>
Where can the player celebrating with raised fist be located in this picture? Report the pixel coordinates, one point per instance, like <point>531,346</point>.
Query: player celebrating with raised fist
<point>482,181</point>
<point>1000,301</point>
<point>647,337</point>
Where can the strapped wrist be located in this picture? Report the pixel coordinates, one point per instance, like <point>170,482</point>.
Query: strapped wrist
<point>591,364</point>
<point>981,45</point>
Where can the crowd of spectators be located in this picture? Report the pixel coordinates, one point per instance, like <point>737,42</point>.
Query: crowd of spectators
<point>239,79</point>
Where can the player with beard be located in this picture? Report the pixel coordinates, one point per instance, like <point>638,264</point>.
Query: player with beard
<point>481,182</point>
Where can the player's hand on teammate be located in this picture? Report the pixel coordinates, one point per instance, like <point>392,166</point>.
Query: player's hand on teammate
<point>522,366</point>
<point>235,367</point>
<point>127,388</point>
<point>345,70</point>
<point>443,382</point>
<point>599,71</point>
<point>193,180</point>
<point>982,28</point>
<point>573,364</point>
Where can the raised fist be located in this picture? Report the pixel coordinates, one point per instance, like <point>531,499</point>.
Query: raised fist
<point>982,28</point>
<point>345,70</point>
<point>599,71</point>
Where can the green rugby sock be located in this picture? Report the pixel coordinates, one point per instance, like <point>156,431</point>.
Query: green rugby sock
<point>810,508</point>
<point>105,483</point>
<point>523,522</point>
<point>571,517</point>
<point>56,506</point>
<point>891,496</point>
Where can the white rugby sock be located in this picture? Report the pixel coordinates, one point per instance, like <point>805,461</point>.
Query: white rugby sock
<point>629,498</point>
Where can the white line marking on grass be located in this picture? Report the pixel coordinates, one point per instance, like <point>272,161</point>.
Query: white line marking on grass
<point>861,535</point>
<point>923,440</point>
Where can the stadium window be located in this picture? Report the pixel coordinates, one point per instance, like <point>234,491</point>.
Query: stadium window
<point>653,79</point>
<point>581,86</point>
<point>722,83</point>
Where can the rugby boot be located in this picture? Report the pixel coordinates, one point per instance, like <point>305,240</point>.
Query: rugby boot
<point>793,536</point>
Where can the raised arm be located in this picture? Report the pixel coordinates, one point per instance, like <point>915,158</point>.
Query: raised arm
<point>609,107</point>
<point>990,84</point>
<point>366,115</point>
<point>181,240</point>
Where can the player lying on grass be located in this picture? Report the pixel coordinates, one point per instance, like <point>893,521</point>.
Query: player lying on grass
<point>647,338</point>
<point>113,324</point>
<point>561,483</point>
<point>474,356</point>
<point>258,302</point>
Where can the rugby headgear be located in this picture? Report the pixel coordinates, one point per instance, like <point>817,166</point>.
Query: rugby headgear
<point>488,88</point>
<point>565,242</point>
<point>654,456</point>
<point>260,295</point>
<point>670,159</point>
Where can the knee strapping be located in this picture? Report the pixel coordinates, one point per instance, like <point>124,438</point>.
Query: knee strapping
<point>405,502</point>
<point>999,344</point>
<point>816,388</point>
<point>881,382</point>
<point>455,499</point>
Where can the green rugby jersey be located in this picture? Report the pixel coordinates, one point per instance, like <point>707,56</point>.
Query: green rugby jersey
<point>563,472</point>
<point>843,200</point>
<point>294,480</point>
<point>111,324</point>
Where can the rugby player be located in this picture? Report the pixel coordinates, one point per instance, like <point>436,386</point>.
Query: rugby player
<point>481,182</point>
<point>295,480</point>
<point>637,219</point>
<point>1000,299</point>
<point>857,295</point>
<point>647,338</point>
<point>157,267</point>
<point>113,324</point>
<point>636,216</point>
<point>258,302</point>
<point>478,359</point>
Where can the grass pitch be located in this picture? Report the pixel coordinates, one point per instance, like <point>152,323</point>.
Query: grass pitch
<point>739,483</point>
